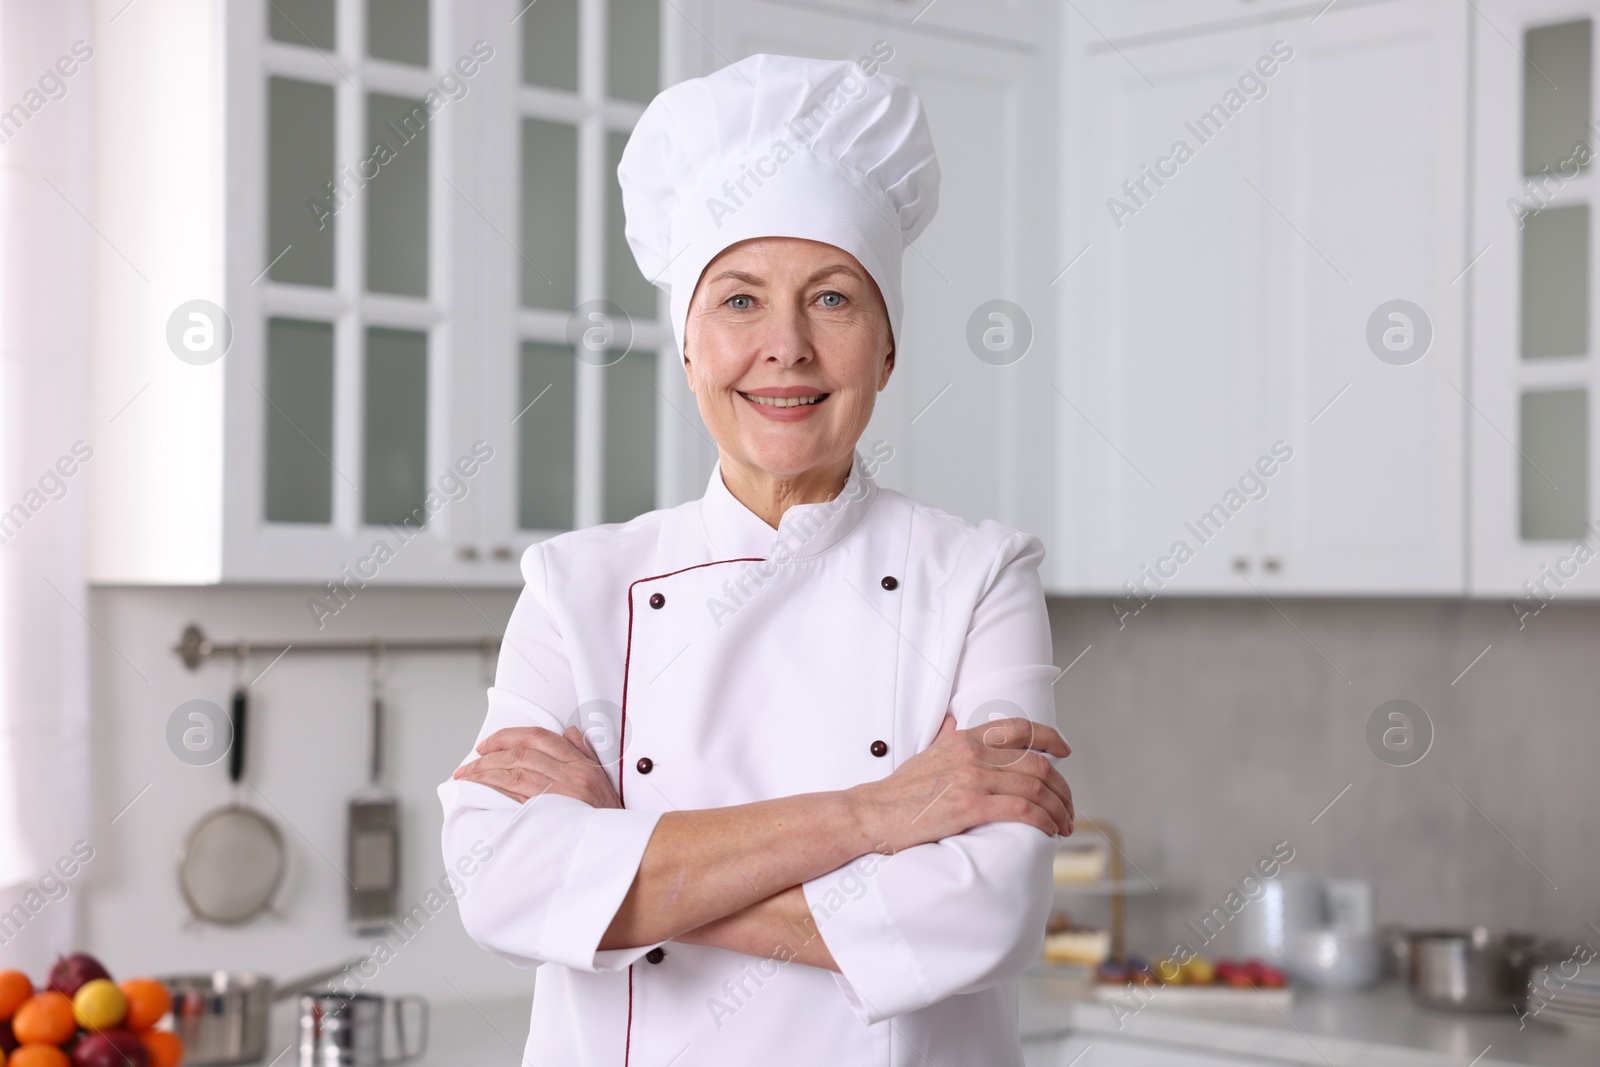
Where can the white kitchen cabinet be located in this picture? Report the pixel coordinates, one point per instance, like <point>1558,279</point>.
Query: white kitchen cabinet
<point>1535,461</point>
<point>393,312</point>
<point>1129,21</point>
<point>1243,202</point>
<point>971,436</point>
<point>1002,22</point>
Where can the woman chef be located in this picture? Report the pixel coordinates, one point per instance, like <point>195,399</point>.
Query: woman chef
<point>765,778</point>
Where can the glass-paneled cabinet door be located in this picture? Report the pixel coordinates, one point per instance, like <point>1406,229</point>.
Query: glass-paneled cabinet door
<point>347,269</point>
<point>572,334</point>
<point>1535,461</point>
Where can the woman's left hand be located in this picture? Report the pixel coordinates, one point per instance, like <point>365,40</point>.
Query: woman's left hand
<point>524,762</point>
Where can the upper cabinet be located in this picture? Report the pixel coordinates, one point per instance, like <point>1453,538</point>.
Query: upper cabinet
<point>1142,21</point>
<point>1260,383</point>
<point>1535,371</point>
<point>363,308</point>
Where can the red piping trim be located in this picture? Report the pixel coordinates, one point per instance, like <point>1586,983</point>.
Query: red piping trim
<point>622,767</point>
<point>627,658</point>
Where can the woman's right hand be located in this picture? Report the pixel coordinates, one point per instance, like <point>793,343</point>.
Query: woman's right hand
<point>997,771</point>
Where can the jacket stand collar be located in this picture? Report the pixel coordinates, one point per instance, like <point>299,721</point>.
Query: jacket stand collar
<point>735,531</point>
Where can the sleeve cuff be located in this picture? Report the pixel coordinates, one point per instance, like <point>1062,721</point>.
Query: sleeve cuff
<point>879,973</point>
<point>590,893</point>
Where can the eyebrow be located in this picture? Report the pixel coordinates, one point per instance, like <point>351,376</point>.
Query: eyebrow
<point>753,279</point>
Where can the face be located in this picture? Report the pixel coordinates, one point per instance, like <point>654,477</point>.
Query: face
<point>795,320</point>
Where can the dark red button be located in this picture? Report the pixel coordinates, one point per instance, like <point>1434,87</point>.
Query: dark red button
<point>880,749</point>
<point>890,582</point>
<point>657,600</point>
<point>655,955</point>
<point>645,765</point>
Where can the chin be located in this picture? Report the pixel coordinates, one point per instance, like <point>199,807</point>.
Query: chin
<point>788,459</point>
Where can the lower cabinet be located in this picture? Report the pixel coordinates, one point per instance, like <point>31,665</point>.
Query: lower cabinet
<point>1078,1051</point>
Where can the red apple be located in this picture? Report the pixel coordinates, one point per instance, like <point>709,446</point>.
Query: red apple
<point>110,1048</point>
<point>72,972</point>
<point>8,1040</point>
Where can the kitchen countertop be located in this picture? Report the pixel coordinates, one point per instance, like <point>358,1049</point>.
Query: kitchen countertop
<point>1379,1027</point>
<point>484,1033</point>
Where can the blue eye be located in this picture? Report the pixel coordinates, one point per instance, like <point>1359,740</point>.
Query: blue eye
<point>733,302</point>
<point>832,300</point>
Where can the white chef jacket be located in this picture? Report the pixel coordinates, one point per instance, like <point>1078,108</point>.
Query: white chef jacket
<point>738,663</point>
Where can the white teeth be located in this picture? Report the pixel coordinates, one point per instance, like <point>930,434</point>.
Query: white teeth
<point>784,401</point>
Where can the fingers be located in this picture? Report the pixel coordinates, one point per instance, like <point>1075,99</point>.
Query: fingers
<point>515,782</point>
<point>1017,733</point>
<point>1012,808</point>
<point>580,741</point>
<point>536,738</point>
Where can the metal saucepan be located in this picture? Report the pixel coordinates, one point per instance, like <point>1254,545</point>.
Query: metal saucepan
<point>1470,970</point>
<point>223,1016</point>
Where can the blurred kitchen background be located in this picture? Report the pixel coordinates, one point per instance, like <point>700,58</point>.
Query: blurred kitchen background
<point>1303,287</point>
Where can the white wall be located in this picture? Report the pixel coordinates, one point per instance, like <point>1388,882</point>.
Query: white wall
<point>309,723</point>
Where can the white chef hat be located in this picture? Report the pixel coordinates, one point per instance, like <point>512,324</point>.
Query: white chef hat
<point>778,146</point>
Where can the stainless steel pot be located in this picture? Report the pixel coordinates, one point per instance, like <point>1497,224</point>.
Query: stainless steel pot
<point>1470,970</point>
<point>222,1017</point>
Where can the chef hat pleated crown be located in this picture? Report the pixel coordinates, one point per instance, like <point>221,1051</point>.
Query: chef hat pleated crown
<point>778,146</point>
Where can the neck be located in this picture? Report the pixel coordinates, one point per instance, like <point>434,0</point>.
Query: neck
<point>770,496</point>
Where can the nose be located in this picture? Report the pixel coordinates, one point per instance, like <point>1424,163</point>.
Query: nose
<point>786,341</point>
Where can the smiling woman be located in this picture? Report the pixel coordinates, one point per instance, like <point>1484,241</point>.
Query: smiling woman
<point>836,804</point>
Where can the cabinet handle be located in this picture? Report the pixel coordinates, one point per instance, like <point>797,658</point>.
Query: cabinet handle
<point>501,552</point>
<point>1272,564</point>
<point>467,552</point>
<point>1241,563</point>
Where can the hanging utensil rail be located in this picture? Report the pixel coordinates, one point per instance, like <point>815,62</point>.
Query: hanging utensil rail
<point>194,647</point>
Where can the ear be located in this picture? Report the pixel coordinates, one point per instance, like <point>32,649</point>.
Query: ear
<point>888,369</point>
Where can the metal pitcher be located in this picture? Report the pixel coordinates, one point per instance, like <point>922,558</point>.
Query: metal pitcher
<point>347,1029</point>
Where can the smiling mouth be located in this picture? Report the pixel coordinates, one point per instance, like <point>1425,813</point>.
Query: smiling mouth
<point>785,401</point>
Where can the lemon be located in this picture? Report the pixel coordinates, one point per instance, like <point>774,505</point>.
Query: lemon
<point>99,1005</point>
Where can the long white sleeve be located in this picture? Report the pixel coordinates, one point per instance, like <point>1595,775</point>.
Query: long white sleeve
<point>556,869</point>
<point>966,913</point>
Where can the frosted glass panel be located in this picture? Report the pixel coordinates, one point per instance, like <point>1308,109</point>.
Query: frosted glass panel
<point>299,168</point>
<point>624,284</point>
<point>1556,82</point>
<point>394,470</point>
<point>630,467</point>
<point>1555,467</point>
<point>549,252</point>
<point>547,437</point>
<point>398,30</point>
<point>1555,282</point>
<point>397,197</point>
<point>550,43</point>
<point>633,70</point>
<point>299,421</point>
<point>308,23</point>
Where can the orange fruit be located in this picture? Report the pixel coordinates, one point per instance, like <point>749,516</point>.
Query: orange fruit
<point>164,1046</point>
<point>44,1019</point>
<point>14,989</point>
<point>148,1001</point>
<point>39,1056</point>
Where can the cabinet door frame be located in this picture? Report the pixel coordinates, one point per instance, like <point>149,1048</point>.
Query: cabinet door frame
<point>254,549</point>
<point>1320,548</point>
<point>1504,565</point>
<point>1105,469</point>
